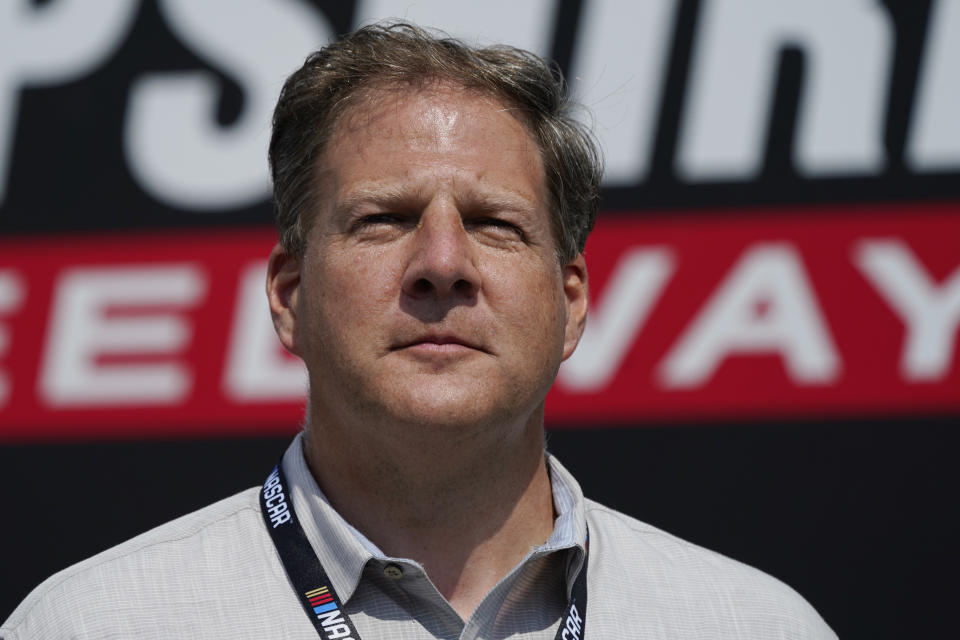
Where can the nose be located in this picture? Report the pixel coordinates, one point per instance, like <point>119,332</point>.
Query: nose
<point>442,260</point>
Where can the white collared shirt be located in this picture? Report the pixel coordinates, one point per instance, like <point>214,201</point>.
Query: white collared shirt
<point>215,574</point>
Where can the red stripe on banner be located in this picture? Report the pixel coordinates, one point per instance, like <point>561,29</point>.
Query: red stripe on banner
<point>737,314</point>
<point>803,312</point>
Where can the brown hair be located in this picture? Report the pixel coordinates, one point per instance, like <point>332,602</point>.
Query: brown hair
<point>315,97</point>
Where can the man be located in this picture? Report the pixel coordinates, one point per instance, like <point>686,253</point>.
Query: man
<point>433,204</point>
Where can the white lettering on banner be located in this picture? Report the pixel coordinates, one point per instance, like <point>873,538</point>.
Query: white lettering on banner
<point>934,142</point>
<point>764,305</point>
<point>840,120</point>
<point>618,72</point>
<point>931,313</point>
<point>613,324</point>
<point>80,331</point>
<point>530,23</point>
<point>257,368</point>
<point>12,292</point>
<point>178,152</point>
<point>49,44</point>
<point>176,149</point>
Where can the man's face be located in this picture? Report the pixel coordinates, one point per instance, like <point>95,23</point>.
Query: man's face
<point>429,291</point>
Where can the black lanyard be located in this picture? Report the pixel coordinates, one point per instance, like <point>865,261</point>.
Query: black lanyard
<point>315,591</point>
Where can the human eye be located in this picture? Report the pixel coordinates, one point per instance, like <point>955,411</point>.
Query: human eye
<point>497,227</point>
<point>380,220</point>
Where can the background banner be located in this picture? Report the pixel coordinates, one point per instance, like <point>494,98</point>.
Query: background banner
<point>771,365</point>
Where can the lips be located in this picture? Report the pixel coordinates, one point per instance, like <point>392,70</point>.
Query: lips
<point>441,342</point>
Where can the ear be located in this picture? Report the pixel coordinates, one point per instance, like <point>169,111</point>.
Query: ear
<point>575,289</point>
<point>283,285</point>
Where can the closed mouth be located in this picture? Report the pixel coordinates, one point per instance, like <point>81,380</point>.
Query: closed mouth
<point>440,343</point>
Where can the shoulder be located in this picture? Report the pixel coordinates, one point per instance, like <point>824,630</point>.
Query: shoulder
<point>687,590</point>
<point>172,567</point>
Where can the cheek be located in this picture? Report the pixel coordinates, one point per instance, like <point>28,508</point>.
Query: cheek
<point>349,293</point>
<point>536,303</point>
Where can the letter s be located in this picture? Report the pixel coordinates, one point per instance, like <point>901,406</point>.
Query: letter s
<point>176,149</point>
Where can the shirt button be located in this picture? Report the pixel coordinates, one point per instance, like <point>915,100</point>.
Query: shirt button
<point>393,571</point>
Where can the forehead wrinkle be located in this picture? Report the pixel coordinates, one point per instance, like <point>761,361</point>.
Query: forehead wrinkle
<point>372,115</point>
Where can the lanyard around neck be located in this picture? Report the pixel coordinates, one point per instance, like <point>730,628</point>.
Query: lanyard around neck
<point>315,590</point>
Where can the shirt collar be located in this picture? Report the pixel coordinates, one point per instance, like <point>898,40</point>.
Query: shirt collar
<point>339,547</point>
<point>344,551</point>
<point>570,526</point>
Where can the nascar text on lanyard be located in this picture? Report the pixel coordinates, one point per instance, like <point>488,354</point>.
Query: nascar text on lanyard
<point>315,591</point>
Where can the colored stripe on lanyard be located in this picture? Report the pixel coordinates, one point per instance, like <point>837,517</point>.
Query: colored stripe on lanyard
<point>315,590</point>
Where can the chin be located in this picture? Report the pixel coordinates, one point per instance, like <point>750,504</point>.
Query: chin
<point>443,407</point>
<point>461,407</point>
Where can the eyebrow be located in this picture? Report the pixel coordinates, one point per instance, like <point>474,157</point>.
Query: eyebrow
<point>380,195</point>
<point>389,196</point>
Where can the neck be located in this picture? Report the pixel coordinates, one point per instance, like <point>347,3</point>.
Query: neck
<point>467,504</point>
